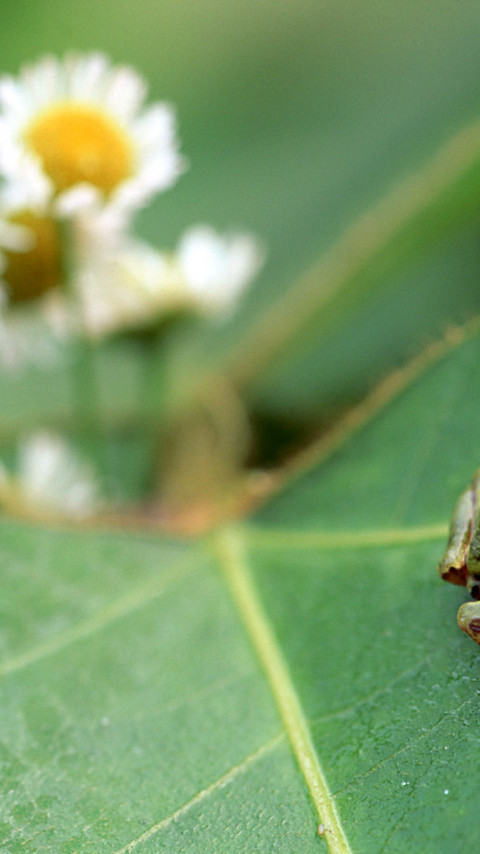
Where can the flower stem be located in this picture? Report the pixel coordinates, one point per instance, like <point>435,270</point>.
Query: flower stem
<point>155,412</point>
<point>153,404</point>
<point>88,420</point>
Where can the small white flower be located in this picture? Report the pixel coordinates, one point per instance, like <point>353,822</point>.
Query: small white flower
<point>215,269</point>
<point>30,250</point>
<point>50,480</point>
<point>29,270</point>
<point>77,128</point>
<point>39,304</point>
<point>35,299</point>
<point>125,290</point>
<point>137,285</point>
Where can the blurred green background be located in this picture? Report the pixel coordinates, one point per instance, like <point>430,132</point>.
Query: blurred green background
<point>296,116</point>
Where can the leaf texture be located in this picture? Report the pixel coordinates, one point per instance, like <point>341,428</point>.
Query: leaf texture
<point>140,711</point>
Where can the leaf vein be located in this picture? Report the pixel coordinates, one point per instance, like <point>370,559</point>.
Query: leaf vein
<point>362,242</point>
<point>347,710</point>
<point>116,610</point>
<point>230,553</point>
<point>411,743</point>
<point>223,781</point>
<point>271,538</point>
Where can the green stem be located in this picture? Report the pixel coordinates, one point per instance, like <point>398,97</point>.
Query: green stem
<point>85,391</point>
<point>86,397</point>
<point>153,393</point>
<point>154,397</point>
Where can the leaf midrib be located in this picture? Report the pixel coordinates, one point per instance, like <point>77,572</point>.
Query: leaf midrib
<point>229,547</point>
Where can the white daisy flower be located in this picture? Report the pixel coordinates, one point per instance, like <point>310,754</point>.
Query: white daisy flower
<point>78,127</point>
<point>30,267</point>
<point>216,269</point>
<point>50,480</point>
<point>35,300</point>
<point>138,285</point>
<point>129,289</point>
<point>30,255</point>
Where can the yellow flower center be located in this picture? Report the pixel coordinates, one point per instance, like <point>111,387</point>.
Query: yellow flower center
<point>77,143</point>
<point>30,274</point>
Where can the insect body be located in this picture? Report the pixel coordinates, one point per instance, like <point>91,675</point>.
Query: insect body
<point>461,562</point>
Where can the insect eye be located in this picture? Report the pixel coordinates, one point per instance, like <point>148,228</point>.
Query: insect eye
<point>475,590</point>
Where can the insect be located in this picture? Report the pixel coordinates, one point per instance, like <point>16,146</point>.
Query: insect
<point>461,562</point>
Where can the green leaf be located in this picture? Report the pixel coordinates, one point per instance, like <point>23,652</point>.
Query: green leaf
<point>133,707</point>
<point>294,335</point>
<point>233,693</point>
<point>298,119</point>
<point>303,667</point>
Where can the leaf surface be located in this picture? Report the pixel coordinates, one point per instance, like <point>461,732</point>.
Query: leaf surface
<point>147,705</point>
<point>131,700</point>
<point>302,667</point>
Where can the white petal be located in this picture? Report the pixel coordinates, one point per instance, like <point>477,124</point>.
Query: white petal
<point>86,75</point>
<point>51,475</point>
<point>217,268</point>
<point>12,97</point>
<point>125,94</point>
